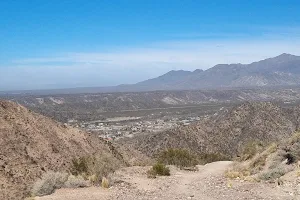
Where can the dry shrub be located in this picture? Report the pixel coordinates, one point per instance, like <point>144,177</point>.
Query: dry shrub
<point>158,169</point>
<point>237,171</point>
<point>273,173</point>
<point>179,157</point>
<point>76,182</point>
<point>49,182</point>
<point>95,168</point>
<point>79,166</point>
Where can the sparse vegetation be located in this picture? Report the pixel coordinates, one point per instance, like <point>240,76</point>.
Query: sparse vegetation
<point>237,171</point>
<point>179,157</point>
<point>211,157</point>
<point>158,169</point>
<point>94,168</point>
<point>258,163</point>
<point>183,158</point>
<point>250,150</point>
<point>271,164</point>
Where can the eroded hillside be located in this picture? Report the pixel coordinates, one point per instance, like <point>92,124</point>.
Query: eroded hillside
<point>32,144</point>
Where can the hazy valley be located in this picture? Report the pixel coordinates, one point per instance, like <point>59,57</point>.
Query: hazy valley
<point>62,141</point>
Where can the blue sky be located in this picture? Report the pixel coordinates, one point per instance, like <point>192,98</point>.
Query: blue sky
<point>76,43</point>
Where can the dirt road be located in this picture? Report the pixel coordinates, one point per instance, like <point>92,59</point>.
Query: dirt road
<point>208,183</point>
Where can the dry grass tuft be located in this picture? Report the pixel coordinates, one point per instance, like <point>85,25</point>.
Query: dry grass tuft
<point>105,183</point>
<point>237,171</point>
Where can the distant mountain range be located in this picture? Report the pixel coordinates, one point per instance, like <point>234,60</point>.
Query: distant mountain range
<point>282,70</point>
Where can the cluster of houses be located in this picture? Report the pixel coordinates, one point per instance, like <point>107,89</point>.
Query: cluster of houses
<point>114,129</point>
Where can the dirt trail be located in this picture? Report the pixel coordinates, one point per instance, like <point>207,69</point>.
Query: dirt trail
<point>206,184</point>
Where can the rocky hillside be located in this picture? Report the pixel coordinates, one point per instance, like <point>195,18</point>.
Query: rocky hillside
<point>32,144</point>
<point>227,132</point>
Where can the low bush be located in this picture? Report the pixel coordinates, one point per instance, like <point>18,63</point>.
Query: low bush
<point>158,169</point>
<point>76,182</point>
<point>273,174</point>
<point>94,168</point>
<point>161,169</point>
<point>79,166</point>
<point>49,182</point>
<point>237,171</point>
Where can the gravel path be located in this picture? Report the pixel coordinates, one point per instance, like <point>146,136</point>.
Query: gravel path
<point>206,184</point>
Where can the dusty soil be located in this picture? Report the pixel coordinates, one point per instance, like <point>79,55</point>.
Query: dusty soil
<point>208,183</point>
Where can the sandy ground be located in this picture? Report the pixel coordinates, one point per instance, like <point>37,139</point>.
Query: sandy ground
<point>208,183</point>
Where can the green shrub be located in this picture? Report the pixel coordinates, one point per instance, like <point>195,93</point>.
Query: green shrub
<point>158,169</point>
<point>179,157</point>
<point>49,182</point>
<point>161,169</point>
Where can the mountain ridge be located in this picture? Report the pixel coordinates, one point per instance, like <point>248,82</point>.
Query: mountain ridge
<point>282,70</point>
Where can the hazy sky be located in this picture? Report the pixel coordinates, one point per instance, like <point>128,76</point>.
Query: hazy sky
<point>79,43</point>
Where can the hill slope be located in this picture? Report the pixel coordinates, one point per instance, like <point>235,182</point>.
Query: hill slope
<point>226,132</point>
<point>32,144</point>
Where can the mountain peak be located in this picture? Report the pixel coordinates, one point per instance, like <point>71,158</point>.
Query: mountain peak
<point>285,57</point>
<point>176,72</point>
<point>198,71</point>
